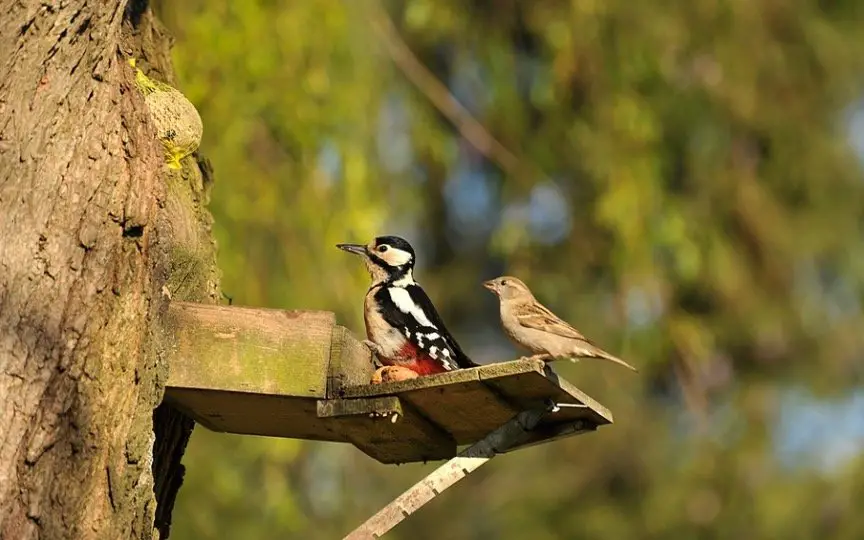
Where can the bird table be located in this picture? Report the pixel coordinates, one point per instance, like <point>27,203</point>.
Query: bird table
<point>297,374</point>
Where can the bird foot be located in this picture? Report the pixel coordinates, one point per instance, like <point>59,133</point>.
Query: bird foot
<point>544,357</point>
<point>392,374</point>
<point>173,163</point>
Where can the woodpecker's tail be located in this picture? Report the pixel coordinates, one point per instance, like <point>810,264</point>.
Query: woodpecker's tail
<point>463,361</point>
<point>594,352</point>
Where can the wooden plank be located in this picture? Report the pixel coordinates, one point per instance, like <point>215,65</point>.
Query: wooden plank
<point>351,363</point>
<point>457,401</point>
<point>386,430</point>
<point>501,369</point>
<point>255,414</point>
<point>469,403</point>
<point>577,414</point>
<point>531,389</point>
<point>252,350</point>
<point>468,411</point>
<point>600,414</point>
<point>384,407</point>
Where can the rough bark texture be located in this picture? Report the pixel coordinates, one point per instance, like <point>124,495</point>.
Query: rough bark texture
<point>95,233</point>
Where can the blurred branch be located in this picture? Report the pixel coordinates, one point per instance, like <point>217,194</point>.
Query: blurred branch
<point>695,399</point>
<point>437,93</point>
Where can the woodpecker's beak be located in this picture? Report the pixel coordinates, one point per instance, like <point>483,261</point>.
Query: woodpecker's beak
<point>491,286</point>
<point>357,249</point>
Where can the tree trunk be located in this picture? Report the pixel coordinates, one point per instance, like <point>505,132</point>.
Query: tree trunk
<point>95,235</point>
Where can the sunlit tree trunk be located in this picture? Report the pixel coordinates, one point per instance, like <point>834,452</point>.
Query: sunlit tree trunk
<point>95,234</point>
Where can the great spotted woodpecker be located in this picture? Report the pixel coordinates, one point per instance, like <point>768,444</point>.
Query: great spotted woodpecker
<point>402,325</point>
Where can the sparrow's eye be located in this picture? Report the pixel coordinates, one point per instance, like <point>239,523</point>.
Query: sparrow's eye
<point>505,282</point>
<point>382,249</point>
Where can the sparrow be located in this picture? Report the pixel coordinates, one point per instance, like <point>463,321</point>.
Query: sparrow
<point>530,325</point>
<point>177,123</point>
<point>402,325</point>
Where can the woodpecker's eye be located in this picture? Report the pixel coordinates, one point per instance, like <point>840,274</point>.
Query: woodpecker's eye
<point>382,249</point>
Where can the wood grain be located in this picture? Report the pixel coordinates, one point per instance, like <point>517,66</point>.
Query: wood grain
<point>253,350</point>
<point>387,430</point>
<point>351,363</point>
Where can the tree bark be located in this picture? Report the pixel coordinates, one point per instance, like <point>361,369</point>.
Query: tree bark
<point>95,235</point>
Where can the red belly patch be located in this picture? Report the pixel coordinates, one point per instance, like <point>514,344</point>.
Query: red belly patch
<point>412,357</point>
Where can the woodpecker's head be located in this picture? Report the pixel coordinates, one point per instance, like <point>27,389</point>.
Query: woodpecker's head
<point>388,259</point>
<point>509,288</point>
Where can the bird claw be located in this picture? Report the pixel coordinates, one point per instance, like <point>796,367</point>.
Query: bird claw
<point>392,415</point>
<point>544,357</point>
<point>392,374</point>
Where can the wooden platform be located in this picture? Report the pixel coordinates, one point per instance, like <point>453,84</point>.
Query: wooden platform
<point>297,374</point>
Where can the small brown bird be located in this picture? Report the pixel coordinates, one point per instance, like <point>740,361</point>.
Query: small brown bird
<point>531,325</point>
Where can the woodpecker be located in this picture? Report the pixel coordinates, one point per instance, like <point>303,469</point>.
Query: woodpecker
<point>402,326</point>
<point>531,325</point>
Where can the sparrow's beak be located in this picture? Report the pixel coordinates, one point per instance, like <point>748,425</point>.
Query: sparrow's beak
<point>490,285</point>
<point>357,249</point>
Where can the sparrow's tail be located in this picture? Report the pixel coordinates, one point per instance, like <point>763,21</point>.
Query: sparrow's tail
<point>594,352</point>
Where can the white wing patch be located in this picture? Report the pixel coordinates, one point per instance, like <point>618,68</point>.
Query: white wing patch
<point>402,299</point>
<point>431,341</point>
<point>446,360</point>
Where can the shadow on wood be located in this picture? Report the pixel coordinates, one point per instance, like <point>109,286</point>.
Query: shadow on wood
<point>298,374</point>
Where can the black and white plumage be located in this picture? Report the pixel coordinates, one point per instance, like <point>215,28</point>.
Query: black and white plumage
<point>402,325</point>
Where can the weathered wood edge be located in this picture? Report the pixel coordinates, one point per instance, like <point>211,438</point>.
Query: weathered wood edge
<point>229,314</point>
<point>174,398</point>
<point>579,394</point>
<point>336,408</point>
<point>429,441</point>
<point>484,373</point>
<point>499,369</point>
<point>351,363</point>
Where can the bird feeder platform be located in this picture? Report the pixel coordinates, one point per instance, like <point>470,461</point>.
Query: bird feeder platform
<point>299,375</point>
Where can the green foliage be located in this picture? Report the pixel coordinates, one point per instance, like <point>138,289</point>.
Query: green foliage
<point>700,210</point>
